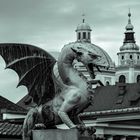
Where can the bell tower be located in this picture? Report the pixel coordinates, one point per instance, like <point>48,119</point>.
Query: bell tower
<point>128,68</point>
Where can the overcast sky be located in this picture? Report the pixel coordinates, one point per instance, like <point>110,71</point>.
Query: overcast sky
<point>50,24</point>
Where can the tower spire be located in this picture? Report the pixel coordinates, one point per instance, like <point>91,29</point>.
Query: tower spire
<point>129,15</point>
<point>129,26</point>
<point>129,39</point>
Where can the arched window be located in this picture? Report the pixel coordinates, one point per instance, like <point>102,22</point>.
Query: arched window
<point>79,35</point>
<point>107,83</point>
<point>138,79</point>
<point>131,56</point>
<point>84,35</point>
<point>122,79</point>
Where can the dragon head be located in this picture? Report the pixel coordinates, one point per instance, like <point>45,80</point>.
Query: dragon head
<point>89,58</point>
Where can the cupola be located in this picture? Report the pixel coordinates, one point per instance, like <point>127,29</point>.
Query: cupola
<point>83,32</point>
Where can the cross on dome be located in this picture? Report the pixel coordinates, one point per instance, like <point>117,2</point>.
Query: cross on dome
<point>83,15</point>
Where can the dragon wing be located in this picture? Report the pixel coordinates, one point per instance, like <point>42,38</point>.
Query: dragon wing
<point>34,68</point>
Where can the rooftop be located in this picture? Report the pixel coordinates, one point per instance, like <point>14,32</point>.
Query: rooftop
<point>8,105</point>
<point>116,99</point>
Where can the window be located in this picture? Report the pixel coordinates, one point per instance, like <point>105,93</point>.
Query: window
<point>88,35</point>
<point>79,35</point>
<point>107,83</point>
<point>84,35</point>
<point>138,79</point>
<point>131,57</point>
<point>122,79</point>
<point>138,57</point>
<point>122,57</point>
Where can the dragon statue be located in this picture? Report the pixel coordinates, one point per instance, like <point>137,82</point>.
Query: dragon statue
<point>59,90</point>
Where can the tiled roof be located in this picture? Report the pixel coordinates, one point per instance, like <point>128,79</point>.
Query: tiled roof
<point>8,105</point>
<point>9,129</point>
<point>115,99</point>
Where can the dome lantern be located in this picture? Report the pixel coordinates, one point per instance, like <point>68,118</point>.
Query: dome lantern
<point>83,31</point>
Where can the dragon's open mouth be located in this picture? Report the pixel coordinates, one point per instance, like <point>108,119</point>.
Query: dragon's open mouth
<point>90,68</point>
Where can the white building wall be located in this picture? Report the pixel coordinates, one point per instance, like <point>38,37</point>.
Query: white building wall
<point>122,72</point>
<point>130,74</point>
<point>104,77</point>
<point>12,116</point>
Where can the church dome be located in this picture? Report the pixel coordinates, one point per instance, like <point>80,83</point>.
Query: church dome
<point>83,26</point>
<point>105,59</point>
<point>129,46</point>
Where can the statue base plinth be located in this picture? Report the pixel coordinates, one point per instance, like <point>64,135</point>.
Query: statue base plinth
<point>59,134</point>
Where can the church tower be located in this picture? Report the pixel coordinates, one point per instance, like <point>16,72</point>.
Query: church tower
<point>128,69</point>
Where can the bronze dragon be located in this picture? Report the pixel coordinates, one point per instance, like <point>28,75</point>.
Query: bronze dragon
<point>58,89</point>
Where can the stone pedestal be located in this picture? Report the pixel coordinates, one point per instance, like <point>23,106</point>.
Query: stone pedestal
<point>59,134</point>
